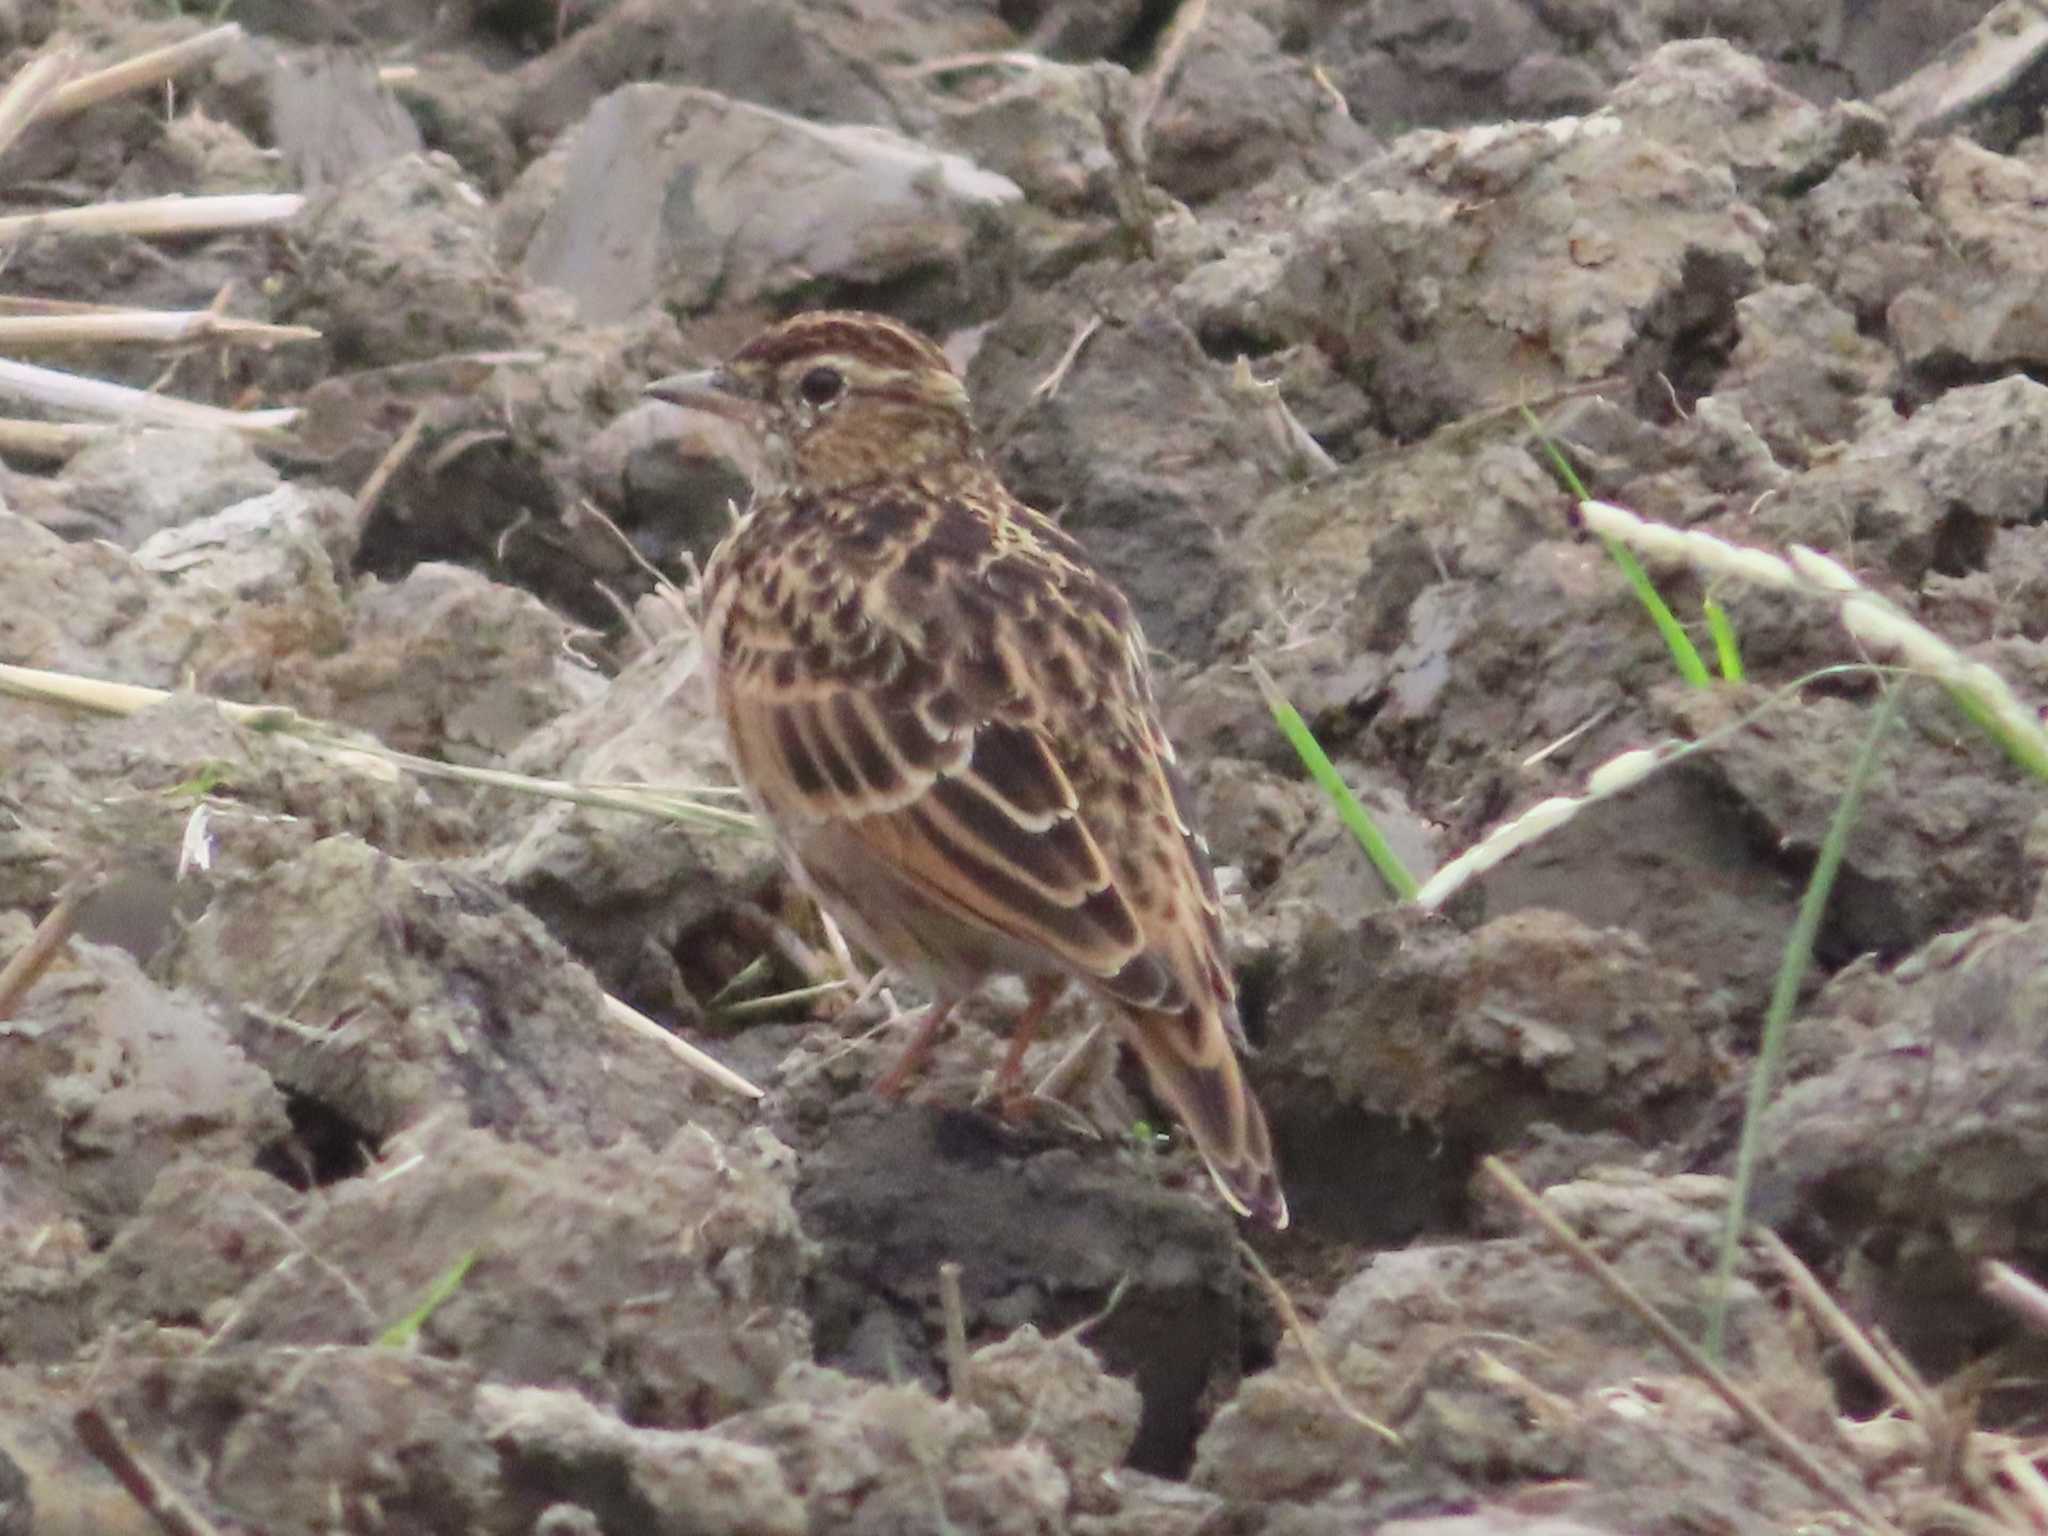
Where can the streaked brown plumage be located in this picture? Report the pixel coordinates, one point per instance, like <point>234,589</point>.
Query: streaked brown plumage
<point>946,714</point>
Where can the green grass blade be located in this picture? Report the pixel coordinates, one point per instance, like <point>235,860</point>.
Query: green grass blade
<point>1726,652</point>
<point>400,1335</point>
<point>1785,993</point>
<point>755,970</point>
<point>1357,820</point>
<point>780,1002</point>
<point>1684,654</point>
<point>2021,749</point>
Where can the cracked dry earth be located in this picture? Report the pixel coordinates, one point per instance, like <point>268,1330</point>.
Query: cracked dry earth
<point>332,1187</point>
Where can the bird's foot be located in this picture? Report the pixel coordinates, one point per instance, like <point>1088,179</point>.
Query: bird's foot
<point>895,1082</point>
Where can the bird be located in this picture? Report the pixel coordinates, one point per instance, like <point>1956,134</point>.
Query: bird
<point>944,711</point>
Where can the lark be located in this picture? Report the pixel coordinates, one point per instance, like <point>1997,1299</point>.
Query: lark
<point>945,712</point>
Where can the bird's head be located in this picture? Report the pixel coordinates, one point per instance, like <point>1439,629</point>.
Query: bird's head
<point>836,397</point>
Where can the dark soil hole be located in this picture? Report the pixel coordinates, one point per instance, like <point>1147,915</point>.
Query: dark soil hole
<point>1358,1178</point>
<point>1701,326</point>
<point>324,1147</point>
<point>1135,51</point>
<point>1864,916</point>
<point>1942,371</point>
<point>532,26</point>
<point>1225,343</point>
<point>1962,543</point>
<point>1255,984</point>
<point>602,1487</point>
<point>1144,1339</point>
<point>490,507</point>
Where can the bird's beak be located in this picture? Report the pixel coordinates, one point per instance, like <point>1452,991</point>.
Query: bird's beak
<point>707,389</point>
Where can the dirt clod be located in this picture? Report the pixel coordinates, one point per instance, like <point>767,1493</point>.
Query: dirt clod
<point>333,1180</point>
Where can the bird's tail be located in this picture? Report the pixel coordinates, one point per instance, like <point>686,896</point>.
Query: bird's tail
<point>1191,1065</point>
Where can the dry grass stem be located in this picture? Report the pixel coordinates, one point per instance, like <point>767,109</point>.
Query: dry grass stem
<point>104,697</point>
<point>59,391</point>
<point>585,507</point>
<point>842,952</point>
<point>953,63</point>
<point>155,1497</point>
<point>302,1252</point>
<point>462,443</point>
<point>640,786</point>
<point>49,440</point>
<point>1101,1314</point>
<point>1781,1440</point>
<point>388,465</point>
<point>702,1063</point>
<point>156,326</point>
<point>1320,79</point>
<point>1945,1517</point>
<point>1975,69</point>
<point>1544,753</point>
<point>1311,1351</point>
<point>177,214</point>
<point>51,934</point>
<point>1951,1452</point>
<point>959,1369</point>
<point>28,94</point>
<point>1173,46</point>
<point>1908,1394</point>
<point>771,932</point>
<point>142,71</point>
<point>1305,455</point>
<point>2009,1288</point>
<point>782,1002</point>
<point>363,754</point>
<point>1049,386</point>
<point>2027,1483</point>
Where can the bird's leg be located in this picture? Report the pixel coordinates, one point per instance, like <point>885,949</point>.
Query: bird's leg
<point>892,1083</point>
<point>1011,1098</point>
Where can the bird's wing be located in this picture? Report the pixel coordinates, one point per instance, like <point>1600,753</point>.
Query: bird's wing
<point>1186,1035</point>
<point>976,816</point>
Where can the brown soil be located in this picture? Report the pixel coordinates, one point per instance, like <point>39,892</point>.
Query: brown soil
<point>328,1178</point>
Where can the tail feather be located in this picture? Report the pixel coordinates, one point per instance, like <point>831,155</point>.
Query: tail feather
<point>1191,1065</point>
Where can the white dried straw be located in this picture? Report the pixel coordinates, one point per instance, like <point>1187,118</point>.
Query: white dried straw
<point>141,71</point>
<point>29,93</point>
<point>367,755</point>
<point>159,326</point>
<point>701,1062</point>
<point>2009,1287</point>
<point>125,699</point>
<point>49,439</point>
<point>76,394</point>
<point>1153,83</point>
<point>177,214</point>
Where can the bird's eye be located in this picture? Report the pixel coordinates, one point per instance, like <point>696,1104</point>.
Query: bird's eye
<point>821,386</point>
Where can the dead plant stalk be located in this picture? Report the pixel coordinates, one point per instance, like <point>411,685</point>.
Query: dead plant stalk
<point>1782,1442</point>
